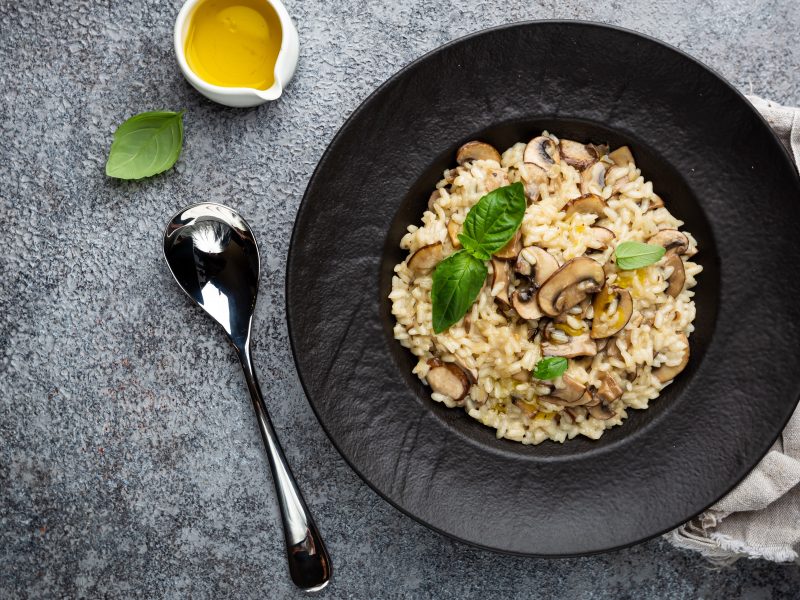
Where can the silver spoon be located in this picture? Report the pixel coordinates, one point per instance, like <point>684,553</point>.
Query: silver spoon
<point>213,256</point>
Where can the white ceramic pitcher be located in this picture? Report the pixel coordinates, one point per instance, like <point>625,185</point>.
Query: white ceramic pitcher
<point>242,96</point>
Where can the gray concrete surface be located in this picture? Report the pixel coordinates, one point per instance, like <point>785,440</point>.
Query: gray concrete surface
<point>130,464</point>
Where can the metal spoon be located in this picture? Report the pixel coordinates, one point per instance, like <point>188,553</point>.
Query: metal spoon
<point>213,256</point>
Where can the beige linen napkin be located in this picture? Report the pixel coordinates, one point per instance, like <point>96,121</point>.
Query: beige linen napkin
<point>760,518</point>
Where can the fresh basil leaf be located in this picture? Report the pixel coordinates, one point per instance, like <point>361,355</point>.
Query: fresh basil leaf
<point>493,221</point>
<point>457,281</point>
<point>635,255</point>
<point>550,367</point>
<point>146,144</point>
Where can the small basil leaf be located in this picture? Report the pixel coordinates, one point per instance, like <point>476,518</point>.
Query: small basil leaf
<point>457,281</point>
<point>635,255</point>
<point>146,144</point>
<point>494,220</point>
<point>550,367</point>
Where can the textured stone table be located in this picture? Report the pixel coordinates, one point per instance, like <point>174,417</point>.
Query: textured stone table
<point>130,463</point>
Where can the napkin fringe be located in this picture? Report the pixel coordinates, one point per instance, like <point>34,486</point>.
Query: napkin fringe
<point>776,554</point>
<point>722,550</point>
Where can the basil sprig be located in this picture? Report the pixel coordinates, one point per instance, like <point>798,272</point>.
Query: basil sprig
<point>550,367</point>
<point>457,281</point>
<point>635,255</point>
<point>493,221</point>
<point>146,144</point>
<point>489,226</point>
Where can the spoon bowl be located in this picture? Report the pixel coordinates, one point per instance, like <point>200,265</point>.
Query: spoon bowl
<point>212,253</point>
<point>214,257</point>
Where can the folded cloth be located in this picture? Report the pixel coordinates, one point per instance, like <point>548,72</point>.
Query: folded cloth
<point>760,518</point>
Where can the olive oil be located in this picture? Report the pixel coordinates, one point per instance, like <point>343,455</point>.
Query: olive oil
<point>234,43</point>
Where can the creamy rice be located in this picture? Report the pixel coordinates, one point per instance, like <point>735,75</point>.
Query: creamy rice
<point>498,350</point>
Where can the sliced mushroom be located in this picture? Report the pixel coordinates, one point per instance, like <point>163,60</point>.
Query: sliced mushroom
<point>426,258</point>
<point>601,411</point>
<point>672,240</point>
<point>449,380</point>
<point>512,248</point>
<point>665,373</point>
<point>583,400</point>
<point>569,285</point>
<point>540,268</point>
<point>529,409</point>
<point>533,174</point>
<point>571,393</point>
<point>453,229</point>
<point>609,389</point>
<point>613,308</point>
<point>525,303</point>
<point>477,151</point>
<point>677,278</point>
<point>495,179</point>
<point>621,156</point>
<point>588,204</point>
<point>601,237</point>
<point>543,152</point>
<point>577,155</point>
<point>501,273</point>
<point>593,179</point>
<point>655,202</point>
<point>576,345</point>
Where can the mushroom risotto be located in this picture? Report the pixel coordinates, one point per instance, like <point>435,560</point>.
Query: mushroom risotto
<point>582,314</point>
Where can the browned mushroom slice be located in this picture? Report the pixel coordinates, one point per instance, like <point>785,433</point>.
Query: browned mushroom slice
<point>512,248</point>
<point>612,308</point>
<point>609,389</point>
<point>533,174</point>
<point>426,258</point>
<point>577,345</point>
<point>496,178</point>
<point>453,229</point>
<point>677,278</point>
<point>543,152</point>
<point>601,411</point>
<point>449,380</point>
<point>501,273</point>
<point>577,155</point>
<point>569,285</point>
<point>586,204</point>
<point>537,263</point>
<point>594,400</point>
<point>593,179</point>
<point>599,149</point>
<point>672,240</point>
<point>621,156</point>
<point>477,151</point>
<point>525,303</point>
<point>571,393</point>
<point>601,237</point>
<point>584,400</point>
<point>528,408</point>
<point>665,373</point>
<point>655,202</point>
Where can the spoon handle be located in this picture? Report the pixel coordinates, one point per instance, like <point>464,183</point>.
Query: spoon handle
<point>309,563</point>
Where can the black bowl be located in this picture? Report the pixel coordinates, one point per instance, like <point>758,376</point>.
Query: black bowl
<point>718,167</point>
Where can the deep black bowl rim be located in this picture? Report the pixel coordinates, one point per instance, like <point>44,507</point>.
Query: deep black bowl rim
<point>304,206</point>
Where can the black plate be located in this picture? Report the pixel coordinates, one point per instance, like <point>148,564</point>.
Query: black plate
<point>719,168</point>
